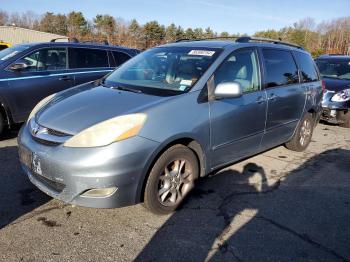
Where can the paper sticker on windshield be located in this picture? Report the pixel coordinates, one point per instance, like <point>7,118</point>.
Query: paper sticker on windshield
<point>9,55</point>
<point>186,82</point>
<point>202,52</point>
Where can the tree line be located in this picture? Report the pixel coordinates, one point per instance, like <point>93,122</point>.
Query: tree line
<point>325,37</point>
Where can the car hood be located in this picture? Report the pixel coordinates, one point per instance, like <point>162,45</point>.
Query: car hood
<point>334,84</point>
<point>79,108</point>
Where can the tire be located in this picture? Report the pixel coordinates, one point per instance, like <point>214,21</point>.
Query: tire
<point>171,179</point>
<point>345,118</point>
<point>303,134</point>
<point>2,125</point>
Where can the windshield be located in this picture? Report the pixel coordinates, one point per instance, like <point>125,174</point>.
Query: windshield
<point>165,68</point>
<point>11,51</point>
<point>334,68</point>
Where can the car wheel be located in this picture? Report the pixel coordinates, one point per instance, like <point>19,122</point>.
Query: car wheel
<point>171,179</point>
<point>302,136</point>
<point>345,118</point>
<point>2,124</point>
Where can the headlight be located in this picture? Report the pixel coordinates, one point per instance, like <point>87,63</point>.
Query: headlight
<point>40,105</point>
<point>109,131</point>
<point>341,96</point>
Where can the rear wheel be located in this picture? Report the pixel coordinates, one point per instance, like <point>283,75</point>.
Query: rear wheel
<point>171,179</point>
<point>302,136</point>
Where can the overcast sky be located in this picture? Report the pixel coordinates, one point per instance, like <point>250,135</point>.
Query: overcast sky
<point>234,16</point>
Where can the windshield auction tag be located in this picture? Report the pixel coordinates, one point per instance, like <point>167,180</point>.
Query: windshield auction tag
<point>202,52</point>
<point>186,82</point>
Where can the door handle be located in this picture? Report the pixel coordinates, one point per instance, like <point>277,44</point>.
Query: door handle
<point>65,78</point>
<point>272,97</point>
<point>260,100</point>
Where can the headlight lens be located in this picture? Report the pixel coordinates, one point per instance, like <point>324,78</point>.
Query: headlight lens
<point>109,131</point>
<point>341,96</point>
<point>40,105</point>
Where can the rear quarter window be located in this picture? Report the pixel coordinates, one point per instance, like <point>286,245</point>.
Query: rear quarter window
<point>307,67</point>
<point>280,68</point>
<point>120,57</point>
<point>87,58</point>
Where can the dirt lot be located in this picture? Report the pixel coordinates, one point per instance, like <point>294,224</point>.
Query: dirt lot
<point>280,205</point>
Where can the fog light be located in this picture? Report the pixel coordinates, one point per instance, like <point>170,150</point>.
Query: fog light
<point>100,192</point>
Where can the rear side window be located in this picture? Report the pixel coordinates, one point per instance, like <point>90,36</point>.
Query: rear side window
<point>307,67</point>
<point>280,68</point>
<point>120,57</point>
<point>87,58</point>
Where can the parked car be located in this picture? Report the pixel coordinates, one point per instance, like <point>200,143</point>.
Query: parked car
<point>31,72</point>
<point>335,72</point>
<point>168,116</point>
<point>4,45</point>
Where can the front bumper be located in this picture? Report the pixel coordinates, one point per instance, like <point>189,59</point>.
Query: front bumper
<point>334,112</point>
<point>66,173</point>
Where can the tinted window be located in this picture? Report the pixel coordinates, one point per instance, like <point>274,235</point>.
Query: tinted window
<point>334,68</point>
<point>45,60</point>
<point>2,47</point>
<point>241,67</point>
<point>120,57</point>
<point>87,58</point>
<point>306,67</point>
<point>280,68</point>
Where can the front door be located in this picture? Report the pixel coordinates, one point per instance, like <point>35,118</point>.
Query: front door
<point>237,124</point>
<point>46,73</point>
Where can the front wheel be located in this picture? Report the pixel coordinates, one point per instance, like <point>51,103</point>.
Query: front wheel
<point>171,179</point>
<point>302,136</point>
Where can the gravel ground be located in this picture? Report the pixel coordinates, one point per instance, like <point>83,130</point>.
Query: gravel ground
<point>277,206</point>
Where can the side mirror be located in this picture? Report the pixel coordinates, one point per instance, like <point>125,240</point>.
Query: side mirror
<point>228,90</point>
<point>18,66</point>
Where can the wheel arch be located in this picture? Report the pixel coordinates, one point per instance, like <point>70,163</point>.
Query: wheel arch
<point>5,112</point>
<point>188,141</point>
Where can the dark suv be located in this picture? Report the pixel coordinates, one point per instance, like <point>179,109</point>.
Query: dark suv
<point>335,71</point>
<point>30,72</point>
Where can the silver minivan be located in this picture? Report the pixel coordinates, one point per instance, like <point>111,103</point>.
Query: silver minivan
<point>167,117</point>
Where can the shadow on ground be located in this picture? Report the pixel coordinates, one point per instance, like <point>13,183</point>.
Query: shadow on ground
<point>18,195</point>
<point>240,216</point>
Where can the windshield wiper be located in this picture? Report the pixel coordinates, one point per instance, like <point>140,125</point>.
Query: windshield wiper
<point>124,88</point>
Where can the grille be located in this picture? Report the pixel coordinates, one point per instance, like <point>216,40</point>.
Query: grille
<point>46,142</point>
<point>56,133</point>
<point>56,186</point>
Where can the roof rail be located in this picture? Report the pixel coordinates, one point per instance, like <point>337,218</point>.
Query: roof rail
<point>207,38</point>
<point>244,39</point>
<point>73,39</point>
<point>105,42</point>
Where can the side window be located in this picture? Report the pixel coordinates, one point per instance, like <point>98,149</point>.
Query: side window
<point>280,68</point>
<point>242,67</point>
<point>46,60</point>
<point>120,57</point>
<point>307,67</point>
<point>87,58</point>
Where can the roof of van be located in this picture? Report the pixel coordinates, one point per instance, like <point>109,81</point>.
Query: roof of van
<point>226,43</point>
